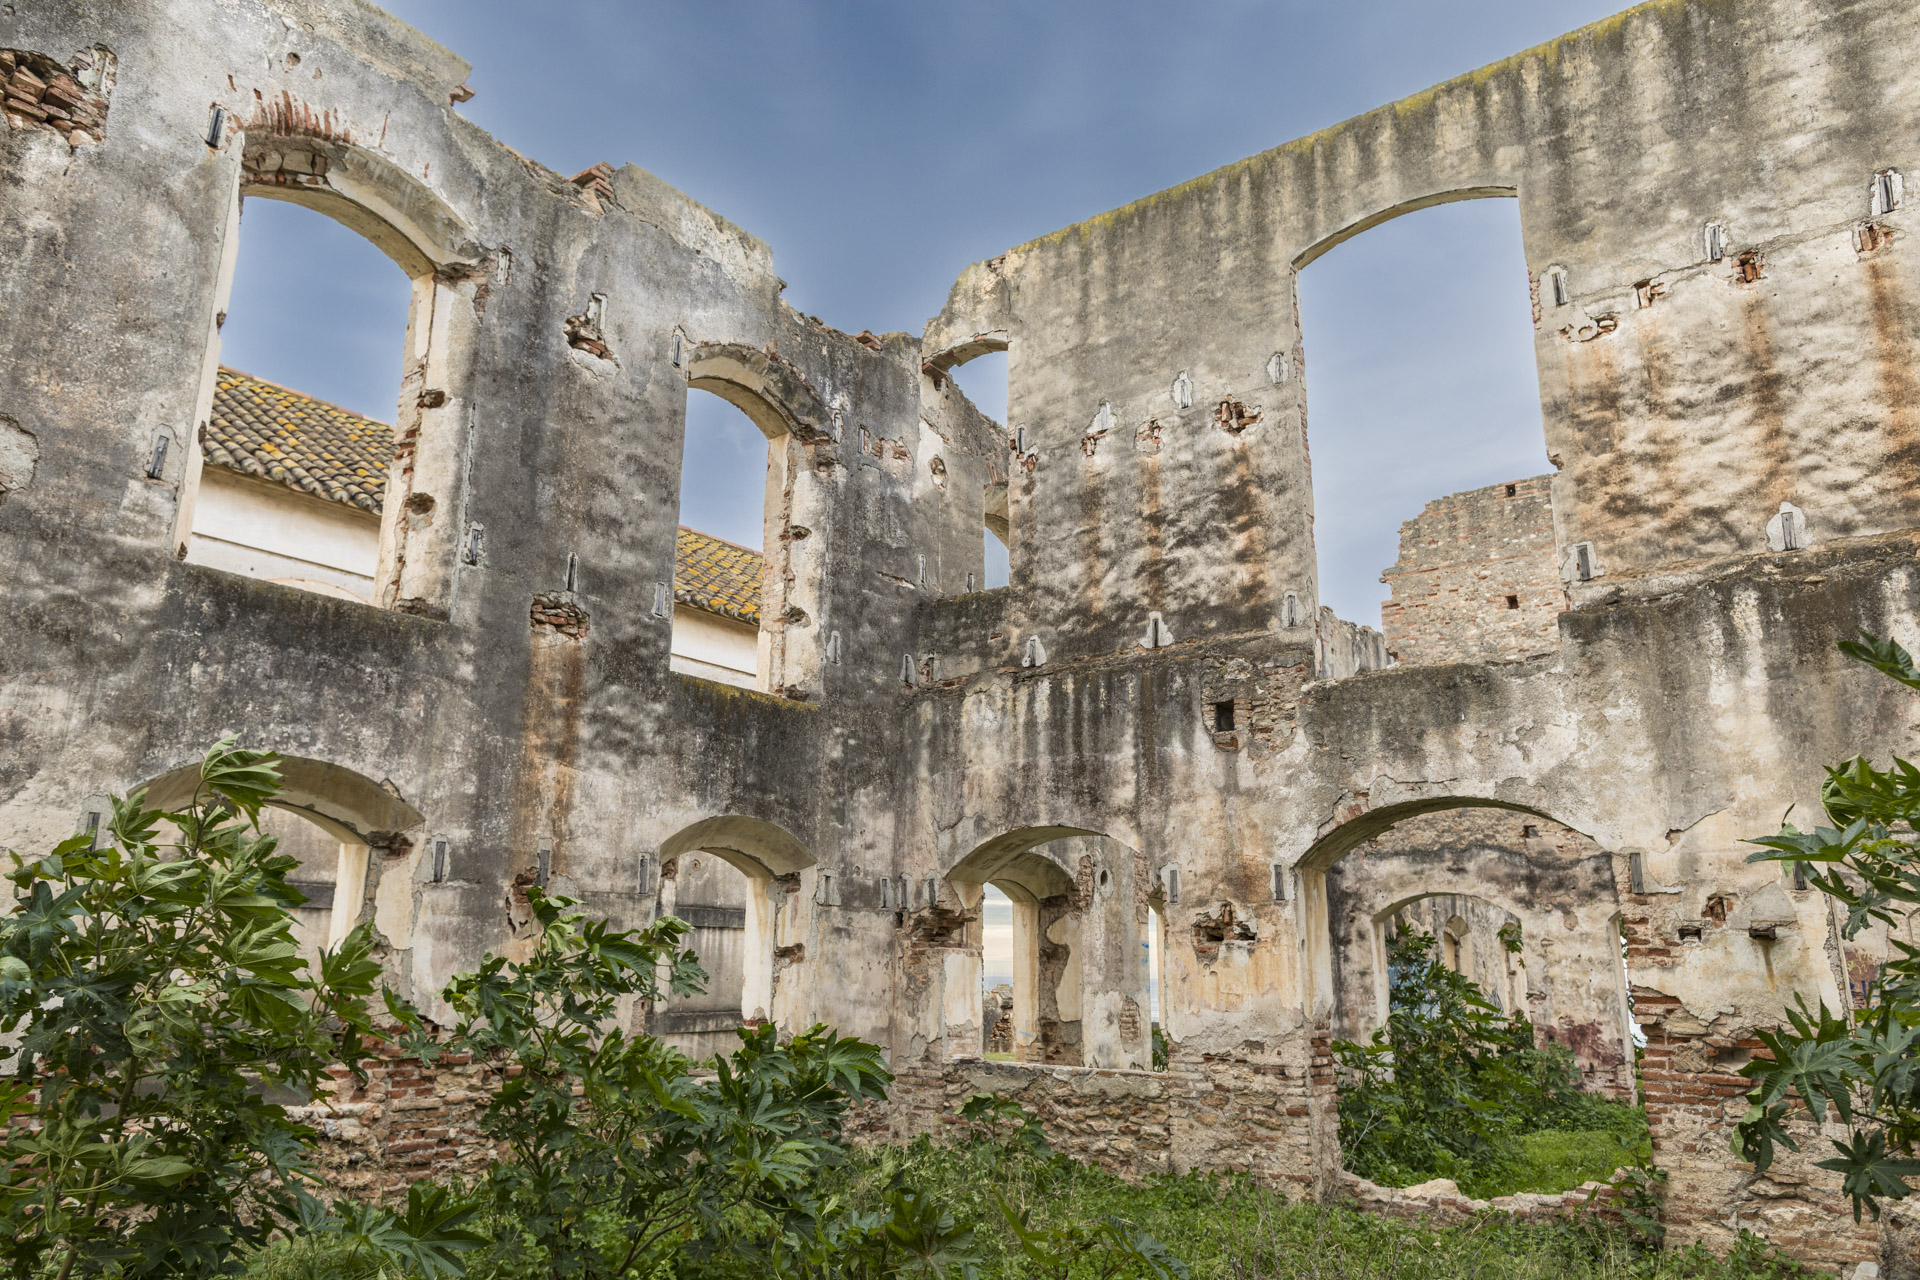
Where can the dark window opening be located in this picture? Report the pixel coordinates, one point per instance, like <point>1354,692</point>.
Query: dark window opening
<point>1690,933</point>
<point>1513,602</point>
<point>1223,717</point>
<point>1513,491</point>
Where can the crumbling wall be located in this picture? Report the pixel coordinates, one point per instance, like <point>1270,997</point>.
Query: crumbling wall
<point>1553,884</point>
<point>515,706</point>
<point>1478,578</point>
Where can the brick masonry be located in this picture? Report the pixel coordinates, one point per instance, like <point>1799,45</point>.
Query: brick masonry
<point>559,612</point>
<point>1478,578</point>
<point>407,1122</point>
<point>37,92</point>
<point>1276,1122</point>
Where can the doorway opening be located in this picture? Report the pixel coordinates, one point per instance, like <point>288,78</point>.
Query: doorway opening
<point>1000,1042</point>
<point>715,898</point>
<point>1153,950</point>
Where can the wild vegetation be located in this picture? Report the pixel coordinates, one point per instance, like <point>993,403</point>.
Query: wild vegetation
<point>1861,1065</point>
<point>163,1013</point>
<point>1451,1087</point>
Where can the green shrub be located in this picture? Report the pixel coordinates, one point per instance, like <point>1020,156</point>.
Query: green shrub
<point>1233,1228</point>
<point>1857,1065</point>
<point>161,1004</point>
<point>1451,1084</point>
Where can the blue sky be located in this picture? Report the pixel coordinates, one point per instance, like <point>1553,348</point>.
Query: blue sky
<point>880,147</point>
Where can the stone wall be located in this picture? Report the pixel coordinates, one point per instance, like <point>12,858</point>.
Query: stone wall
<point>1478,578</point>
<point>1492,867</point>
<point>507,710</point>
<point>1222,1114</point>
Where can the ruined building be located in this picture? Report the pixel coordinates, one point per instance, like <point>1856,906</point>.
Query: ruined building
<point>1591,689</point>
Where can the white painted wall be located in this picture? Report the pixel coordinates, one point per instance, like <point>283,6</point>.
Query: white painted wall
<point>262,529</point>
<point>714,648</point>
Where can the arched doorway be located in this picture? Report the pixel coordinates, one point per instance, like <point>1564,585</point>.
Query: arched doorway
<point>736,881</point>
<point>1524,906</point>
<point>333,820</point>
<point>1076,916</point>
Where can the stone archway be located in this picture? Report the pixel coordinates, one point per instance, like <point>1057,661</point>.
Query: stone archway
<point>740,906</point>
<point>330,809</point>
<point>1078,902</point>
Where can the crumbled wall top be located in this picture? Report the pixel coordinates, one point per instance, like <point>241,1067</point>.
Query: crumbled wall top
<point>383,40</point>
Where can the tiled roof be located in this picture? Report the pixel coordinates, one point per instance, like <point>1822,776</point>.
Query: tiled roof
<point>716,576</point>
<point>260,428</point>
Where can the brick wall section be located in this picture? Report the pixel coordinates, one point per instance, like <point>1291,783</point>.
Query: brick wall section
<point>408,1122</point>
<point>38,93</point>
<point>1478,578</point>
<point>1693,1099</point>
<point>1272,1119</point>
<point>1694,1095</point>
<point>558,611</point>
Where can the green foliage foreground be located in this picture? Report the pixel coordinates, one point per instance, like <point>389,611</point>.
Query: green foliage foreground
<point>1861,1066</point>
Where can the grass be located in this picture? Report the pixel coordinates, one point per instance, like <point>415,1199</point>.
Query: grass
<point>1234,1229</point>
<point>1554,1160</point>
<point>1220,1228</point>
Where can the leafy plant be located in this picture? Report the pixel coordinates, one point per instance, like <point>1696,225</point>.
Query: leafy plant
<point>1005,1124</point>
<point>1105,1247</point>
<point>621,1159</point>
<point>1863,1067</point>
<point>160,1000</point>
<point>1447,1087</point>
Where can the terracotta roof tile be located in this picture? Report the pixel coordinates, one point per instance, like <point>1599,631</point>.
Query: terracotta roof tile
<point>260,428</point>
<point>719,577</point>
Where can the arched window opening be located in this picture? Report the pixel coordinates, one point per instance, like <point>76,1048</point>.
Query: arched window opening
<point>1422,382</point>
<point>1064,966</point>
<point>332,876</point>
<point>719,559</point>
<point>984,380</point>
<point>998,530</point>
<point>714,897</point>
<point>295,451</point>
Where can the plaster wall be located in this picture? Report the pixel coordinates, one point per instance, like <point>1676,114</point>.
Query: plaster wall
<point>713,647</point>
<point>505,708</point>
<point>268,531</point>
